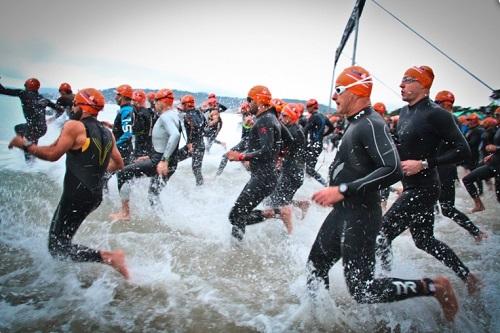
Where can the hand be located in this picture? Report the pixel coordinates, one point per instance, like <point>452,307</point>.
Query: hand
<point>328,196</point>
<point>17,141</point>
<point>190,147</point>
<point>487,158</point>
<point>411,167</point>
<point>162,168</point>
<point>491,148</point>
<point>233,155</point>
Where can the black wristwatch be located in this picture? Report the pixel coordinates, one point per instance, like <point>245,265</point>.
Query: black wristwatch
<point>343,189</point>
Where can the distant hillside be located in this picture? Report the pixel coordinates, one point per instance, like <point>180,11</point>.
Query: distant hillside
<point>230,102</point>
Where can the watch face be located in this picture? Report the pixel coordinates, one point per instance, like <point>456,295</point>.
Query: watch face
<point>343,188</point>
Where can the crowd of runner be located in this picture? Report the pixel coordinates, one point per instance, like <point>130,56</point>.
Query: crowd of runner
<point>421,146</point>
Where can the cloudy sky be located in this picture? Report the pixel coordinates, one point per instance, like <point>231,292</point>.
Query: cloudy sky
<point>228,46</point>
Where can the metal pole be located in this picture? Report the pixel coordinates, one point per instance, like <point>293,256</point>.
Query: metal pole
<point>355,39</point>
<point>331,90</point>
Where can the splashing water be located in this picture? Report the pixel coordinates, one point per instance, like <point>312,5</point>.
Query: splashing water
<point>186,276</point>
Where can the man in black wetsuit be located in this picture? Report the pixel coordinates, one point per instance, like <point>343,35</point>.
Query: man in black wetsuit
<point>367,161</point>
<point>144,120</point>
<point>195,123</point>
<point>90,149</point>
<point>291,175</point>
<point>263,148</point>
<point>491,168</point>
<point>33,105</point>
<point>448,175</point>
<point>65,102</point>
<point>474,137</point>
<point>246,125</point>
<point>421,128</point>
<point>314,132</point>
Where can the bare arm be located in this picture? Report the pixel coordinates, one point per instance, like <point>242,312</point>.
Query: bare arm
<point>72,137</point>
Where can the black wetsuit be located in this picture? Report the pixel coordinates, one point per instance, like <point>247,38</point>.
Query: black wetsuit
<point>421,129</point>
<point>303,121</point>
<point>487,138</point>
<point>488,170</point>
<point>240,146</point>
<point>33,105</point>
<point>263,148</point>
<point>82,192</point>
<point>367,161</point>
<point>195,123</point>
<point>315,132</point>
<point>144,120</point>
<point>474,138</point>
<point>447,176</point>
<point>292,170</point>
<point>65,102</point>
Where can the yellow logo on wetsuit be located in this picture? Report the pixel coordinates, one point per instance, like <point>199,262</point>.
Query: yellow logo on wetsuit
<point>102,154</point>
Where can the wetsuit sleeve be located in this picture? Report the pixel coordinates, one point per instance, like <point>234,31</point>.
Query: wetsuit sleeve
<point>222,108</point>
<point>126,117</point>
<point>308,126</point>
<point>266,142</point>
<point>140,122</point>
<point>286,136</point>
<point>386,166</point>
<point>330,126</point>
<point>458,147</point>
<point>174,136</point>
<point>188,125</point>
<point>54,106</point>
<point>475,139</point>
<point>10,92</point>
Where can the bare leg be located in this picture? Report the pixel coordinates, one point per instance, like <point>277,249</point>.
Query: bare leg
<point>446,297</point>
<point>478,205</point>
<point>123,214</point>
<point>286,216</point>
<point>116,259</point>
<point>303,205</point>
<point>473,284</point>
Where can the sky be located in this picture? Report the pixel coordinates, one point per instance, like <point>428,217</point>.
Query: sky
<point>228,46</point>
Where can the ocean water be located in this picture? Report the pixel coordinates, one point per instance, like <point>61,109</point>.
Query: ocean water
<point>186,276</point>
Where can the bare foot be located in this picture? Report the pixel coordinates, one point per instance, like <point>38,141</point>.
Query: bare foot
<point>480,237</point>
<point>116,259</point>
<point>473,284</point>
<point>477,209</point>
<point>304,207</point>
<point>478,206</point>
<point>446,297</point>
<point>120,216</point>
<point>286,216</point>
<point>268,213</point>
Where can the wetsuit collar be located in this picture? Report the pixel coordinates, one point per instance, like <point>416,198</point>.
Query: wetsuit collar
<point>365,111</point>
<point>264,112</point>
<point>422,102</point>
